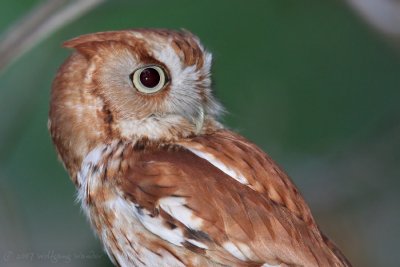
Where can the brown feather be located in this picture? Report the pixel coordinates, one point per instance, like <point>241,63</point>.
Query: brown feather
<point>231,211</point>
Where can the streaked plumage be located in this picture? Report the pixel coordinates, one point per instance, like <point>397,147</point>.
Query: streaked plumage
<point>161,180</point>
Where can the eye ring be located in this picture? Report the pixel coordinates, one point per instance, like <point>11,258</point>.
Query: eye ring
<point>149,79</point>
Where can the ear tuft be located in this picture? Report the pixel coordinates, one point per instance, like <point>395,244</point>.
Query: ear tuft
<point>88,44</point>
<point>90,38</point>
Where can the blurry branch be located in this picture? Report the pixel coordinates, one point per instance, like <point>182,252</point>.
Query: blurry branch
<point>38,24</point>
<point>384,15</point>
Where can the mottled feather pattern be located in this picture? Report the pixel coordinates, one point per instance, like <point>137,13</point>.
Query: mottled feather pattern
<point>160,179</point>
<point>164,181</point>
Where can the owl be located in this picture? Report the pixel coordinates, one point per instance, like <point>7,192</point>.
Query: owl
<point>162,181</point>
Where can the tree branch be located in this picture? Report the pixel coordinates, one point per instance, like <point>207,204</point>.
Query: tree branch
<point>38,24</point>
<point>384,15</point>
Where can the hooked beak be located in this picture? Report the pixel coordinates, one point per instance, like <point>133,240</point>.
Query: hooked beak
<point>199,119</point>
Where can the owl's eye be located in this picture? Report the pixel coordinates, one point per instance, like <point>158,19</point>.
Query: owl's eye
<point>149,79</point>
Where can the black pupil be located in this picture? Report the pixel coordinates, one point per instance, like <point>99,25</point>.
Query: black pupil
<point>150,77</point>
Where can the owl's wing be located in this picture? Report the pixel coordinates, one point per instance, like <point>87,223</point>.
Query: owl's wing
<point>222,197</point>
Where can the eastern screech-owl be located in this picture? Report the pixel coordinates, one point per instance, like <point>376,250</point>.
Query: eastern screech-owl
<point>163,183</point>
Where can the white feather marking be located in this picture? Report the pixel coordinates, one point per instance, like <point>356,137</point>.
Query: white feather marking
<point>197,243</point>
<point>269,265</point>
<point>92,158</point>
<point>243,252</point>
<point>234,251</point>
<point>134,249</point>
<point>87,180</point>
<point>156,226</point>
<point>175,206</point>
<point>214,161</point>
<point>246,250</point>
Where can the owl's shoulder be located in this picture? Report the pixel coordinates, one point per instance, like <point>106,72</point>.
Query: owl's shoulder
<point>216,194</point>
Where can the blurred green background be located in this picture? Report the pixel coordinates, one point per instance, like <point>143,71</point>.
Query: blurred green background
<point>308,81</point>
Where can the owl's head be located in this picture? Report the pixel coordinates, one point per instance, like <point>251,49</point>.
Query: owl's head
<point>131,84</point>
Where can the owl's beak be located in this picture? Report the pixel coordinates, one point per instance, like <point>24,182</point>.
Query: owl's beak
<point>199,119</point>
